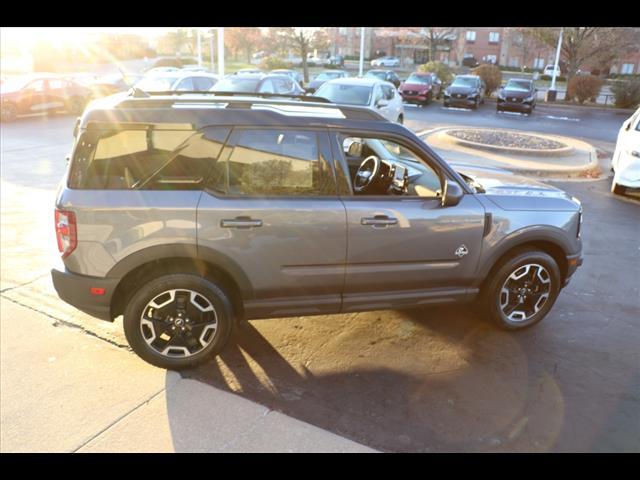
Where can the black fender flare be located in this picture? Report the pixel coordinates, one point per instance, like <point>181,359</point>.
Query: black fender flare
<point>186,251</point>
<point>536,233</point>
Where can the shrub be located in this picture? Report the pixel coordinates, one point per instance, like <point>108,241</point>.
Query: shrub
<point>583,87</point>
<point>442,70</point>
<point>490,75</point>
<point>627,93</point>
<point>273,63</point>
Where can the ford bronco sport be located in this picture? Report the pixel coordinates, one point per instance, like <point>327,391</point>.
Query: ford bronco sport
<point>189,213</point>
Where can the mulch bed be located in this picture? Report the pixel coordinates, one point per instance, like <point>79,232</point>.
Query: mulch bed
<point>506,139</point>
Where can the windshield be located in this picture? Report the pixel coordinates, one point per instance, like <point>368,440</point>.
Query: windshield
<point>380,75</point>
<point>156,84</point>
<point>231,84</point>
<point>424,79</point>
<point>464,82</point>
<point>524,85</point>
<point>327,76</point>
<point>347,94</point>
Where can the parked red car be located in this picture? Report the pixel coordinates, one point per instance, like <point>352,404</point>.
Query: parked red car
<point>421,88</point>
<point>42,93</point>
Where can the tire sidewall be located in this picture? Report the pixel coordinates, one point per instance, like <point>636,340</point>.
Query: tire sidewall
<point>205,287</point>
<point>492,292</point>
<point>9,112</point>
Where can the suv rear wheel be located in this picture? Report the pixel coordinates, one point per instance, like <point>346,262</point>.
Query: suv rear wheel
<point>178,321</point>
<point>9,112</point>
<point>522,290</point>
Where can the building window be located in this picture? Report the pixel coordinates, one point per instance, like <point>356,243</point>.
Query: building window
<point>468,55</point>
<point>471,36</point>
<point>494,37</point>
<point>627,69</point>
<point>491,59</point>
<point>538,63</point>
<point>514,62</point>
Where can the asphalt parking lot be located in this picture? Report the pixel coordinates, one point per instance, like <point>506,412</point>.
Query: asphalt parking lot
<point>424,380</point>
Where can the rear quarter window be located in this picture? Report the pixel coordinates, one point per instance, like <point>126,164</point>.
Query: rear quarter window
<point>145,159</point>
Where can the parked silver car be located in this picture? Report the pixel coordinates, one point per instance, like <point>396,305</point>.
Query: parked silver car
<point>189,215</point>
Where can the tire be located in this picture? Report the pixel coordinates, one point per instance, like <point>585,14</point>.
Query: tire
<point>400,119</point>
<point>446,104</point>
<point>142,334</point>
<point>498,109</point>
<point>9,112</point>
<point>75,105</point>
<point>497,305</point>
<point>617,189</point>
<point>475,105</point>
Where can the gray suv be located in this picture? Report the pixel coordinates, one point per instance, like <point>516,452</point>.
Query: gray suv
<point>190,213</point>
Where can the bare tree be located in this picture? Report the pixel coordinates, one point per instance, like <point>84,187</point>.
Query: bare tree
<point>436,36</point>
<point>581,45</point>
<point>243,39</point>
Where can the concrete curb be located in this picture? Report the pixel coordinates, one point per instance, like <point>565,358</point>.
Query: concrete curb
<point>556,152</point>
<point>562,171</point>
<point>573,106</point>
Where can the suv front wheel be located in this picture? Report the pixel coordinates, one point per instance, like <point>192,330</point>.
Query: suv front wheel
<point>522,290</point>
<point>178,321</point>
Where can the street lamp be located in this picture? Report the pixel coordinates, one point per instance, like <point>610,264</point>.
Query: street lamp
<point>551,93</point>
<point>361,51</point>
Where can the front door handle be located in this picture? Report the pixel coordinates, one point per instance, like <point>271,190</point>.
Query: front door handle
<point>240,222</point>
<point>379,221</point>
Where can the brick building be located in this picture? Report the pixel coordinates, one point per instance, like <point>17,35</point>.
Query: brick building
<point>505,46</point>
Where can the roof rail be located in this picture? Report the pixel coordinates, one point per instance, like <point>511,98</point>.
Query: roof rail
<point>138,93</point>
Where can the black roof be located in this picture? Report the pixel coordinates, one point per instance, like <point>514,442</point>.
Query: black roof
<point>197,110</point>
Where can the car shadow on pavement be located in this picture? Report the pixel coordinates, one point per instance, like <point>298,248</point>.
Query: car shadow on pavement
<point>429,379</point>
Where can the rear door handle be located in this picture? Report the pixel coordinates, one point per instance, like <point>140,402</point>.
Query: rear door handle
<point>379,221</point>
<point>240,222</point>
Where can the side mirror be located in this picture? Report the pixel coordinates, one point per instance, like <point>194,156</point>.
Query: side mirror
<point>453,193</point>
<point>382,103</point>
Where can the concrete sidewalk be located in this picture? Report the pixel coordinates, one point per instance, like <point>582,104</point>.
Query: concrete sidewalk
<point>63,390</point>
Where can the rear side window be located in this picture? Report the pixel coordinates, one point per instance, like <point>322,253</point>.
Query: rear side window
<point>145,159</point>
<point>278,163</point>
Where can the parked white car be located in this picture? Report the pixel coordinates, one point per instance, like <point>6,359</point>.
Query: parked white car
<point>367,92</point>
<point>177,81</point>
<point>386,62</point>
<point>548,70</point>
<point>626,158</point>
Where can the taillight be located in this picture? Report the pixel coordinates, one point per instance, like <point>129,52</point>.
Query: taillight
<point>66,232</point>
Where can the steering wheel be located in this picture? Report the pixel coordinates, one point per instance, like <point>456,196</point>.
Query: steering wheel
<point>367,171</point>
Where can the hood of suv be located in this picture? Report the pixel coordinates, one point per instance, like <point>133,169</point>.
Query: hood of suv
<point>464,89</point>
<point>418,87</point>
<point>515,93</point>
<point>515,192</point>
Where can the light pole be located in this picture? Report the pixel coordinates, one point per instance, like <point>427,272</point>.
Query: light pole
<point>221,52</point>
<point>199,48</point>
<point>551,93</point>
<point>361,52</point>
<point>211,33</point>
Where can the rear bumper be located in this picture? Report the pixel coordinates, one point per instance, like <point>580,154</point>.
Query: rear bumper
<point>75,289</point>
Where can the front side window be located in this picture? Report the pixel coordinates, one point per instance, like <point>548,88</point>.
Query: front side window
<point>401,171</point>
<point>156,84</point>
<point>278,163</point>
<point>38,86</point>
<point>185,85</point>
<point>145,159</point>
<point>388,92</point>
<point>203,84</point>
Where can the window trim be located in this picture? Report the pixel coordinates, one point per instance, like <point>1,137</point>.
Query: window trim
<point>324,156</point>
